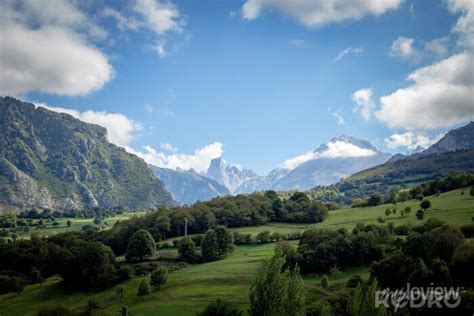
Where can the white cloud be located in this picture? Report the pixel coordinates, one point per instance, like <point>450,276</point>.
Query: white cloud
<point>315,13</point>
<point>169,147</point>
<point>348,50</point>
<point>47,48</point>
<point>465,24</point>
<point>403,47</point>
<point>338,116</point>
<point>410,140</point>
<point>299,43</point>
<point>365,104</point>
<point>160,17</point>
<point>441,95</point>
<point>121,130</point>
<point>334,149</point>
<point>438,46</point>
<point>123,22</point>
<point>148,108</point>
<point>199,160</point>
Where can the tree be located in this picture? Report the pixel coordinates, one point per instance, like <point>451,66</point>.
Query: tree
<point>141,245</point>
<point>420,214</point>
<point>387,212</point>
<point>68,223</point>
<point>270,292</point>
<point>472,191</point>
<point>425,204</point>
<point>362,302</point>
<point>325,281</point>
<point>92,267</point>
<point>144,288</point>
<point>159,277</point>
<point>216,244</point>
<point>394,211</point>
<point>375,199</point>
<point>221,308</point>
<point>403,196</point>
<point>187,249</point>
<point>407,210</point>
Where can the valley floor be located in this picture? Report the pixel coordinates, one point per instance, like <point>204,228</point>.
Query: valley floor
<point>190,288</point>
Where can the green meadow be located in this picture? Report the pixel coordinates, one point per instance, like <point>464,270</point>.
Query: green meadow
<point>192,287</point>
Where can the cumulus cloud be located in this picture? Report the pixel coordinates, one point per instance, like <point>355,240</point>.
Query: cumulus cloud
<point>121,130</point>
<point>441,95</point>
<point>47,48</point>
<point>199,160</point>
<point>160,17</point>
<point>169,147</point>
<point>333,149</point>
<point>348,50</point>
<point>411,140</point>
<point>403,47</point>
<point>465,24</point>
<point>365,104</point>
<point>438,46</point>
<point>316,13</point>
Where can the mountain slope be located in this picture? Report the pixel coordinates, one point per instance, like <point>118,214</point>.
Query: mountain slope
<point>452,153</point>
<point>52,160</point>
<point>189,186</point>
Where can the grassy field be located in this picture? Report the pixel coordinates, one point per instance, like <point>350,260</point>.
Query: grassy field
<point>76,224</point>
<point>188,290</point>
<point>191,288</point>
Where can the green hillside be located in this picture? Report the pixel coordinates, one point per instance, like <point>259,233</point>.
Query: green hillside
<point>191,287</point>
<point>52,160</point>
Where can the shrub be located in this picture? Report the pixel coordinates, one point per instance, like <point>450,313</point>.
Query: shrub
<point>53,310</point>
<point>354,281</point>
<point>144,288</point>
<point>159,277</point>
<point>325,281</point>
<point>220,308</point>
<point>420,214</point>
<point>472,191</point>
<point>124,273</point>
<point>141,245</point>
<point>197,239</point>
<point>120,292</point>
<point>187,249</point>
<point>263,237</point>
<point>11,284</point>
<point>468,230</point>
<point>381,220</point>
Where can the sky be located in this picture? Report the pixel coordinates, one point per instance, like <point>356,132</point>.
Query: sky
<point>261,83</point>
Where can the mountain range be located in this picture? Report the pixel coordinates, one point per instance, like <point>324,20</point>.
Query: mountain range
<point>336,159</point>
<point>52,160</point>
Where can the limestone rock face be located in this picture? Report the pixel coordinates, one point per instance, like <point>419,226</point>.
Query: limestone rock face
<point>52,160</point>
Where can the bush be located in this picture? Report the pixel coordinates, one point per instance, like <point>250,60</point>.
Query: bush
<point>53,310</point>
<point>144,288</point>
<point>381,220</point>
<point>420,214</point>
<point>325,281</point>
<point>187,249</point>
<point>355,281</point>
<point>468,230</point>
<point>141,245</point>
<point>220,308</point>
<point>197,239</point>
<point>402,230</point>
<point>263,237</point>
<point>124,273</point>
<point>159,277</point>
<point>11,284</point>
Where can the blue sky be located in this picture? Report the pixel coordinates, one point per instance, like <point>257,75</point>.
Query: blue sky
<point>264,78</point>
